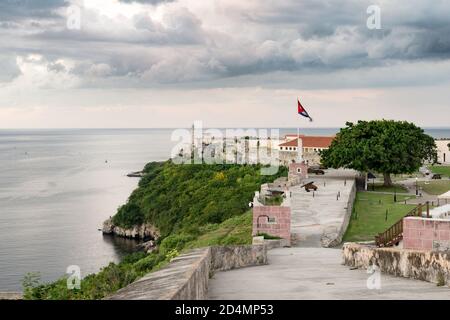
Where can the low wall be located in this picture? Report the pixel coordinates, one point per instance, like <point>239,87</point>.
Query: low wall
<point>334,238</point>
<point>431,266</point>
<point>231,257</point>
<point>278,243</point>
<point>426,234</point>
<point>187,276</point>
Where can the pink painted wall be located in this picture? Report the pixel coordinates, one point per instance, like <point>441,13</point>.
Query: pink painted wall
<point>281,227</point>
<point>426,234</point>
<point>294,169</point>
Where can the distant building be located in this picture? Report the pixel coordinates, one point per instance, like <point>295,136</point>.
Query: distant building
<point>311,146</point>
<point>443,149</point>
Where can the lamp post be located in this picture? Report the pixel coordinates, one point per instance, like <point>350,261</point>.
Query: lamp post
<point>417,186</point>
<point>395,193</point>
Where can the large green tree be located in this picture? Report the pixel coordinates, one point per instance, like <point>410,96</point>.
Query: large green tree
<point>385,146</point>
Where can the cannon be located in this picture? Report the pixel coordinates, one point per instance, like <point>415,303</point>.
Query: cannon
<point>309,186</point>
<point>316,171</point>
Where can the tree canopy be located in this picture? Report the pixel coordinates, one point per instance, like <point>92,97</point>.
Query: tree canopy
<point>385,146</point>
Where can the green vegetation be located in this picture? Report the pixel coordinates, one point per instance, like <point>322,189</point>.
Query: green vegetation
<point>369,216</point>
<point>435,187</point>
<point>179,197</point>
<point>268,236</point>
<point>236,230</point>
<point>441,281</point>
<point>274,200</point>
<point>96,286</point>
<point>380,187</point>
<point>128,215</point>
<point>443,170</point>
<point>386,146</point>
<point>192,206</point>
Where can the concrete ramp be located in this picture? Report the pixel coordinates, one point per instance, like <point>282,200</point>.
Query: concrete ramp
<point>314,273</point>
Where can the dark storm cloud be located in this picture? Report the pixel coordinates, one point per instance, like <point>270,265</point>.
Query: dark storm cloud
<point>243,39</point>
<point>310,18</point>
<point>11,10</point>
<point>153,2</point>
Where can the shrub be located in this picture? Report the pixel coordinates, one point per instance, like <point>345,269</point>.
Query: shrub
<point>268,236</point>
<point>128,216</point>
<point>172,254</point>
<point>133,257</point>
<point>176,241</point>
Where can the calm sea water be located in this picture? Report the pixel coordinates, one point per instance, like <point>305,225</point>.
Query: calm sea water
<point>58,186</point>
<point>56,189</point>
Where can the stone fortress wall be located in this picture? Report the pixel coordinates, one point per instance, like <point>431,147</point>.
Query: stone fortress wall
<point>187,276</point>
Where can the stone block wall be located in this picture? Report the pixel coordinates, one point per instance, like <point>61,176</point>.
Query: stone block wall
<point>272,220</point>
<point>431,266</point>
<point>231,257</point>
<point>187,276</point>
<point>426,234</point>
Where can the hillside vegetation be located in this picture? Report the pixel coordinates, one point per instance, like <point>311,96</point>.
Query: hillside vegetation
<point>192,206</point>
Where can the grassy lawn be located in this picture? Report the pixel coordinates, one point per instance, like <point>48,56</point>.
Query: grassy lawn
<point>369,215</point>
<point>395,177</point>
<point>444,170</point>
<point>379,187</point>
<point>435,187</point>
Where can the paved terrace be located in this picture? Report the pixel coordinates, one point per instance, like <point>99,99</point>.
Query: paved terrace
<point>309,271</point>
<point>314,273</point>
<point>320,213</point>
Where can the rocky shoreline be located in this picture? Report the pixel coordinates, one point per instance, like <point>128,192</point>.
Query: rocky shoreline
<point>146,232</point>
<point>139,232</point>
<point>11,296</point>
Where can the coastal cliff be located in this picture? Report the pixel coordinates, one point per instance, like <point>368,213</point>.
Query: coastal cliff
<point>180,206</point>
<point>142,231</point>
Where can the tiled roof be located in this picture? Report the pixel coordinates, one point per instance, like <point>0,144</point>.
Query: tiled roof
<point>310,142</point>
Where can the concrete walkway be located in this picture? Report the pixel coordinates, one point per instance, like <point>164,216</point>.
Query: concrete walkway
<point>320,213</point>
<point>314,273</point>
<point>309,271</point>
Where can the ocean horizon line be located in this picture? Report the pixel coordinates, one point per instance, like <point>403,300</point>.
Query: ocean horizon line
<point>174,128</point>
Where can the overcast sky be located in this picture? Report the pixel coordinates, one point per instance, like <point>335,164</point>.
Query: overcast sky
<point>228,63</point>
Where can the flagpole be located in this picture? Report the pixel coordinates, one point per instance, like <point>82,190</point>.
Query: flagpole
<point>299,156</point>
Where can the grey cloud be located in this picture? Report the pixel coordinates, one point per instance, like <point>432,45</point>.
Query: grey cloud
<point>11,10</point>
<point>180,27</point>
<point>311,18</point>
<point>153,2</point>
<point>9,68</point>
<point>283,37</point>
<point>56,67</point>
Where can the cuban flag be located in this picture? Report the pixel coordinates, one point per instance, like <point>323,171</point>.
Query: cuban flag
<point>302,111</point>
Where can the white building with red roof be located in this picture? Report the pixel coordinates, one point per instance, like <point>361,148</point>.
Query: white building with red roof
<point>310,148</point>
<point>443,151</point>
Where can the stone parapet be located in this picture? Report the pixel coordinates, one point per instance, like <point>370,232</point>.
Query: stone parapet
<point>431,266</point>
<point>187,276</point>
